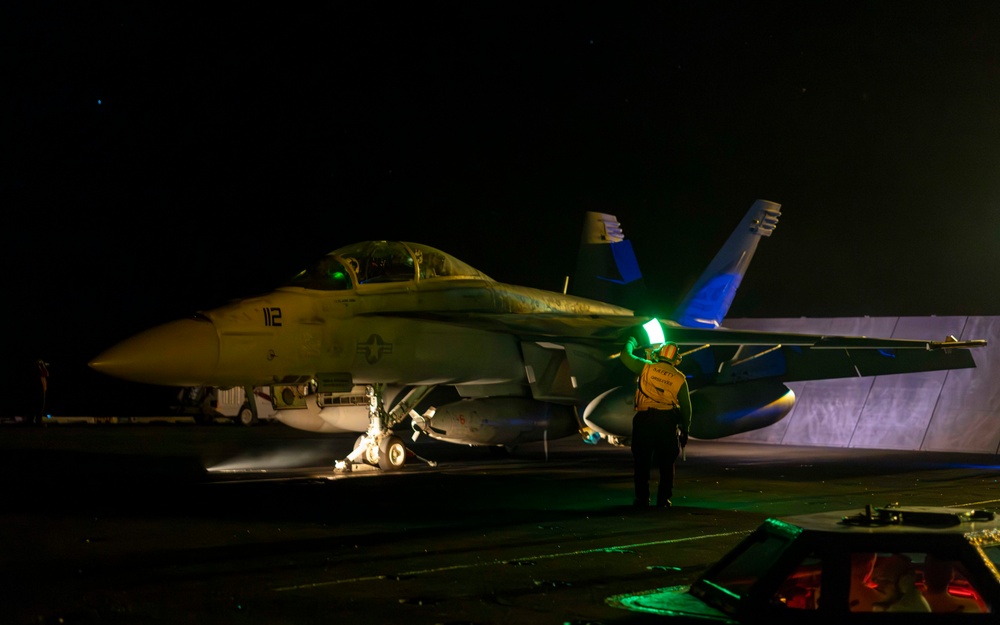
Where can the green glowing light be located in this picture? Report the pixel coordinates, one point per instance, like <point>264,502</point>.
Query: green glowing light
<point>654,331</point>
<point>721,589</point>
<point>788,528</point>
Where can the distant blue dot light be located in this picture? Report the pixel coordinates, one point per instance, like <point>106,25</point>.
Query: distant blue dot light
<point>99,102</point>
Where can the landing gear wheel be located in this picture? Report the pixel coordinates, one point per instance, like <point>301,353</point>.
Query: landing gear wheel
<point>392,454</point>
<point>245,416</point>
<point>371,455</point>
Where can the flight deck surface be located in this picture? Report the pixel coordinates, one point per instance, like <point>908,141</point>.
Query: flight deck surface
<point>157,522</point>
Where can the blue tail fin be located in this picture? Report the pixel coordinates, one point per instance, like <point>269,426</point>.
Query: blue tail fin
<point>606,267</point>
<point>707,303</point>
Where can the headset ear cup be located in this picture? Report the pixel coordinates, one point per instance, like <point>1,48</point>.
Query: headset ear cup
<point>668,352</point>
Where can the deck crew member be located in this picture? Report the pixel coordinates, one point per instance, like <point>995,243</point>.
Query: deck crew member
<point>662,418</point>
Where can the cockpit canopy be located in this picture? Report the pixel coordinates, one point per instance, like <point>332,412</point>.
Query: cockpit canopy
<point>373,262</point>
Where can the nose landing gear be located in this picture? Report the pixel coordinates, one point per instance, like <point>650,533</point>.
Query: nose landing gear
<point>379,447</point>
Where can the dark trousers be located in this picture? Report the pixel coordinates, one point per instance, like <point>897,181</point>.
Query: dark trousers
<point>655,442</point>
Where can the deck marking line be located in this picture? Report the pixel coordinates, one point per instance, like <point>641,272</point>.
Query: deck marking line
<point>548,556</point>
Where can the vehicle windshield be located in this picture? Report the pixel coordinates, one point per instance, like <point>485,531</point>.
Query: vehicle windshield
<point>373,262</point>
<point>993,554</point>
<point>739,574</point>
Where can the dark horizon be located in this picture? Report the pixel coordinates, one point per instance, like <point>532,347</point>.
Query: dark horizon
<point>163,161</point>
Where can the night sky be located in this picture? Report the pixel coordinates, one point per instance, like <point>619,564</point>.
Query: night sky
<point>161,158</point>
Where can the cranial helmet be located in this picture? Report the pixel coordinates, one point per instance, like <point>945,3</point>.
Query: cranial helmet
<point>668,352</point>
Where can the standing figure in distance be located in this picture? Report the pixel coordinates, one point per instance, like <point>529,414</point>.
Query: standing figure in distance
<point>43,379</point>
<point>662,418</point>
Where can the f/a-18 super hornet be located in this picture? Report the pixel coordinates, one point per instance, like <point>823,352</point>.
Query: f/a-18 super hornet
<point>375,330</point>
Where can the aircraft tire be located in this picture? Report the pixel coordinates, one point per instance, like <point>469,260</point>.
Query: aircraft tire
<point>371,455</point>
<point>392,454</point>
<point>245,416</point>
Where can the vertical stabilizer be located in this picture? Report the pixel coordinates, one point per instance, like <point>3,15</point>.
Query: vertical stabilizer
<point>606,267</point>
<point>707,303</point>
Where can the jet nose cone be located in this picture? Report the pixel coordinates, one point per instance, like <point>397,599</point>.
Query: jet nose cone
<point>179,353</point>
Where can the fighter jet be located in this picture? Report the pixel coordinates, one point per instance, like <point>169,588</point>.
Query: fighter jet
<point>377,329</point>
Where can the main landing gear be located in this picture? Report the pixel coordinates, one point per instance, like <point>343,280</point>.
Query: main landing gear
<point>378,447</point>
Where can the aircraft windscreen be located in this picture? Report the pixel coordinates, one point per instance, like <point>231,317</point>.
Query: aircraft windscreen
<point>376,262</point>
<point>394,261</point>
<point>379,261</point>
<point>327,275</point>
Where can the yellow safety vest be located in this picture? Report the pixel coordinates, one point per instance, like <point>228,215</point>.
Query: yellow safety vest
<point>658,386</point>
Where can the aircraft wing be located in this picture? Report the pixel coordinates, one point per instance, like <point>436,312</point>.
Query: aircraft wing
<point>799,357</point>
<point>729,356</point>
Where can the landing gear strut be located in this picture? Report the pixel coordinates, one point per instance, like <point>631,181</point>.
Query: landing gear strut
<point>378,446</point>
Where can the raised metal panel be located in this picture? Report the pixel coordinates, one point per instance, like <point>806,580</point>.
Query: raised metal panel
<point>967,414</point>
